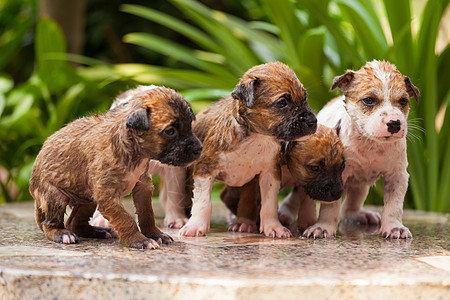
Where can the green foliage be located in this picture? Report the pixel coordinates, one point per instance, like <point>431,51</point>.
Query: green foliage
<point>33,110</point>
<point>319,40</point>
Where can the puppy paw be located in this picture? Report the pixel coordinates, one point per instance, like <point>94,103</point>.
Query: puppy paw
<point>144,244</point>
<point>65,237</point>
<point>105,232</point>
<point>395,231</point>
<point>286,217</point>
<point>363,217</point>
<point>140,241</point>
<point>175,221</point>
<point>161,238</point>
<point>275,231</point>
<point>94,232</point>
<point>242,225</point>
<point>319,231</point>
<point>194,228</point>
<point>98,220</point>
<point>303,224</point>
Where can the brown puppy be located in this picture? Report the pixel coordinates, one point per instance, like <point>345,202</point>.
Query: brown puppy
<point>313,167</point>
<point>240,136</point>
<point>99,159</point>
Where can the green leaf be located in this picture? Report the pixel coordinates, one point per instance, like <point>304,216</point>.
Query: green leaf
<point>238,55</point>
<point>175,24</point>
<point>282,14</point>
<point>6,84</point>
<point>347,51</point>
<point>399,16</point>
<point>367,29</point>
<point>174,50</point>
<point>22,103</point>
<point>68,104</point>
<point>175,78</point>
<point>50,39</point>
<point>310,49</point>
<point>2,103</point>
<point>202,94</point>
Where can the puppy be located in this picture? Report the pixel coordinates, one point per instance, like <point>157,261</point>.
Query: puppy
<point>371,118</point>
<point>313,167</point>
<point>99,159</point>
<point>240,135</point>
<point>172,179</point>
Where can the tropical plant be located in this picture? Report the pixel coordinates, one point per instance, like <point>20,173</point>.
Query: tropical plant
<point>31,111</point>
<point>318,39</point>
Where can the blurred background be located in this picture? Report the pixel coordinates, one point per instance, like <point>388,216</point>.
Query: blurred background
<point>64,59</point>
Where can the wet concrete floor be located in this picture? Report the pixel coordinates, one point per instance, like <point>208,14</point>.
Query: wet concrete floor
<point>357,264</point>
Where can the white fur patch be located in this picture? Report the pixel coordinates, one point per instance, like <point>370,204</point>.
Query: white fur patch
<point>254,155</point>
<point>149,87</point>
<point>127,96</point>
<point>383,76</point>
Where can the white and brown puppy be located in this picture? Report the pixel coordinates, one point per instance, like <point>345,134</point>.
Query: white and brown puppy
<point>371,118</point>
<point>240,136</point>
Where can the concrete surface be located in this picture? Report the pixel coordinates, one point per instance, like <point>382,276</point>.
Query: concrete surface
<point>358,264</point>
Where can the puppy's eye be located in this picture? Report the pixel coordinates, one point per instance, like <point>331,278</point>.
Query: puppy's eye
<point>170,131</point>
<point>280,104</point>
<point>369,101</point>
<point>314,168</point>
<point>403,102</point>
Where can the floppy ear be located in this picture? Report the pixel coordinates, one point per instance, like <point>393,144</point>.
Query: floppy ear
<point>412,90</point>
<point>245,91</point>
<point>139,120</point>
<point>343,81</point>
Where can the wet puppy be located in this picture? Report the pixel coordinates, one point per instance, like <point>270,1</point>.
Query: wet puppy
<point>313,167</point>
<point>240,135</point>
<point>173,179</point>
<point>372,120</point>
<point>99,159</point>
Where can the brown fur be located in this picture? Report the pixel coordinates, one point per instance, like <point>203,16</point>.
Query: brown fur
<point>226,123</point>
<point>99,159</point>
<point>357,85</point>
<point>269,103</point>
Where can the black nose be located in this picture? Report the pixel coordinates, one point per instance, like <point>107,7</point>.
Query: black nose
<point>311,120</point>
<point>335,190</point>
<point>195,148</point>
<point>393,126</point>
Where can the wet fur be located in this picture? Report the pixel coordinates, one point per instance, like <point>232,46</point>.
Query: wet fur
<point>322,149</point>
<point>240,137</point>
<point>99,159</point>
<point>371,150</point>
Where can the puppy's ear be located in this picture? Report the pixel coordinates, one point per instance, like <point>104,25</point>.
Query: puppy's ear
<point>139,120</point>
<point>412,90</point>
<point>343,81</point>
<point>337,127</point>
<point>245,91</point>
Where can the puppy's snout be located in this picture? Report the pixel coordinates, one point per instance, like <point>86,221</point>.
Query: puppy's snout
<point>337,190</point>
<point>195,147</point>
<point>393,126</point>
<point>311,120</point>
